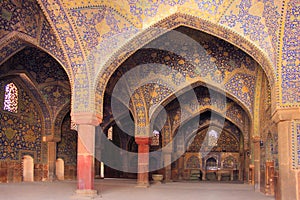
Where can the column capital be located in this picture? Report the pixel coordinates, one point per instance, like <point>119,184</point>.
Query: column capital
<point>255,138</point>
<point>285,114</point>
<point>51,138</point>
<point>142,140</point>
<point>87,118</point>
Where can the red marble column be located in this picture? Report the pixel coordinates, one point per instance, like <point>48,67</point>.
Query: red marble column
<point>143,161</point>
<point>85,157</point>
<point>87,123</point>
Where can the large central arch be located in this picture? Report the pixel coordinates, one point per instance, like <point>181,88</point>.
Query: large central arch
<point>164,26</point>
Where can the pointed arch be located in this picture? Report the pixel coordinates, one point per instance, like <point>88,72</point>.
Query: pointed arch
<point>165,25</point>
<point>15,41</point>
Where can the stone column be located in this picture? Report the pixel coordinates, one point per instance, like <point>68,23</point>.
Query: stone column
<point>288,179</point>
<point>167,166</point>
<point>246,165</point>
<point>256,142</point>
<point>125,163</point>
<point>51,161</point>
<point>143,161</point>
<point>87,123</point>
<point>180,167</point>
<point>97,168</point>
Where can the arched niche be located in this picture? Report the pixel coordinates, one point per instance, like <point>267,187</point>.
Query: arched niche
<point>60,169</point>
<point>28,168</point>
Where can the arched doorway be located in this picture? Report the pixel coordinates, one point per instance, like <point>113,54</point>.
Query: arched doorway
<point>60,169</point>
<point>28,169</point>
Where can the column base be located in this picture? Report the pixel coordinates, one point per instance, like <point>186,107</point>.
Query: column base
<point>86,193</point>
<point>52,178</point>
<point>142,185</point>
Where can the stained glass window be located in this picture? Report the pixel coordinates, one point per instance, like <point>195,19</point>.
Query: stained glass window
<point>155,138</point>
<point>11,98</point>
<point>213,138</point>
<point>110,133</point>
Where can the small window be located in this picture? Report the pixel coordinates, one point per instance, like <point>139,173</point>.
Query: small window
<point>110,133</point>
<point>213,138</point>
<point>155,138</point>
<point>11,98</point>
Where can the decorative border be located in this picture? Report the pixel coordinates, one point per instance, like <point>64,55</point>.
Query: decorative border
<point>295,135</point>
<point>288,56</point>
<point>279,53</point>
<point>256,109</point>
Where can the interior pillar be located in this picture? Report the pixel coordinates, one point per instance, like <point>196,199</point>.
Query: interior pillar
<point>256,142</point>
<point>97,168</point>
<point>167,166</point>
<point>51,160</point>
<point>246,165</point>
<point>125,163</point>
<point>87,123</point>
<point>143,161</point>
<point>180,167</point>
<point>288,179</point>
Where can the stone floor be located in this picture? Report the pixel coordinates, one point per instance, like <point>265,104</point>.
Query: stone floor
<point>116,189</point>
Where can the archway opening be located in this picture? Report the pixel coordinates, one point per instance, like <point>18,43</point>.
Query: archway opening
<point>43,91</point>
<point>165,68</point>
